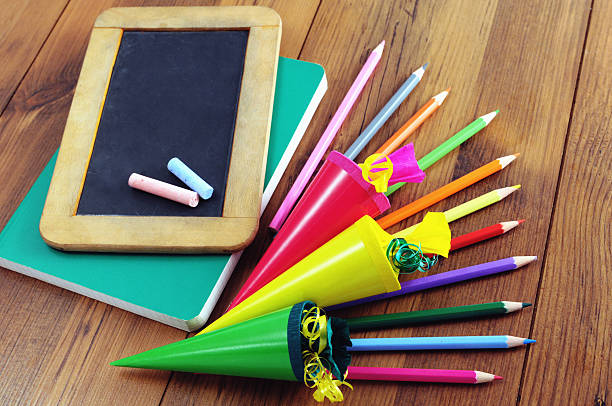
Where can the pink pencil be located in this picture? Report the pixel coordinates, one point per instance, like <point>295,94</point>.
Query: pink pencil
<point>327,138</point>
<point>420,375</point>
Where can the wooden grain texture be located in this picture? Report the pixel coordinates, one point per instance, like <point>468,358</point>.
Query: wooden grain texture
<point>527,70</point>
<point>573,320</point>
<point>521,57</point>
<point>55,345</point>
<point>26,24</point>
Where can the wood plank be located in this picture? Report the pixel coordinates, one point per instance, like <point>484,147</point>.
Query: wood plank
<point>529,71</point>
<point>26,24</point>
<point>574,311</point>
<point>56,345</point>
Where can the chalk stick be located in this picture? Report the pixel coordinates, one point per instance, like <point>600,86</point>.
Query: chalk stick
<point>163,189</point>
<point>190,178</point>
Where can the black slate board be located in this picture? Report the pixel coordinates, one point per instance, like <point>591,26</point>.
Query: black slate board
<point>171,94</point>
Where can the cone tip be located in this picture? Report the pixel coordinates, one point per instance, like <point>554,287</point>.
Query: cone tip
<point>498,378</point>
<point>120,363</point>
<point>529,341</point>
<point>521,221</point>
<point>526,304</point>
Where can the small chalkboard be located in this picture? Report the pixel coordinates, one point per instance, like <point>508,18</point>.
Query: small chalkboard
<point>195,83</point>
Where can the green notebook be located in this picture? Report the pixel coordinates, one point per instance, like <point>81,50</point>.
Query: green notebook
<point>178,290</point>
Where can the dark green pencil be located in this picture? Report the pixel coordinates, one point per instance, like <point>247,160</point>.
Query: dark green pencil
<point>432,315</point>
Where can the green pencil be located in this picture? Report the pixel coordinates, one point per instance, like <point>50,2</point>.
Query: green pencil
<point>433,315</point>
<point>450,144</point>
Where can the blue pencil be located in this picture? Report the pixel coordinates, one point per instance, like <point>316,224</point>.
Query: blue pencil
<point>437,343</point>
<point>384,114</point>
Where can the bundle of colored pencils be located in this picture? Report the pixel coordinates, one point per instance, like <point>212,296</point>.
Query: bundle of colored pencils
<point>450,277</point>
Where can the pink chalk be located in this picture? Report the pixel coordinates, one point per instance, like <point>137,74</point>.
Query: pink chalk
<point>163,189</point>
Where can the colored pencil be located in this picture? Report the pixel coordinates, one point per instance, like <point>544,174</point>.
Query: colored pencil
<point>445,191</point>
<point>483,234</point>
<point>446,278</point>
<point>436,343</point>
<point>450,144</point>
<point>413,123</point>
<point>469,207</point>
<point>383,115</point>
<point>433,315</point>
<point>326,139</point>
<point>420,375</point>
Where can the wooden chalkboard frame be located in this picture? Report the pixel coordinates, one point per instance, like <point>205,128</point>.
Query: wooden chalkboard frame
<point>61,228</point>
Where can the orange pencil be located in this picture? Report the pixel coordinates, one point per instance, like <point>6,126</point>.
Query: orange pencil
<point>413,123</point>
<point>445,191</point>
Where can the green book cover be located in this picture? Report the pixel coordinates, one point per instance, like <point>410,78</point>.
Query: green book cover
<point>178,290</point>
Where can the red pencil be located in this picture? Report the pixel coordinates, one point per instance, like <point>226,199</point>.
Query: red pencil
<point>483,234</point>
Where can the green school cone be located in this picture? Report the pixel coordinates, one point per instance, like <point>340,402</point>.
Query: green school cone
<point>270,346</point>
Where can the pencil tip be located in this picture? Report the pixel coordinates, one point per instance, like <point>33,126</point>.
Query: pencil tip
<point>489,117</point>
<point>521,221</point>
<point>498,378</point>
<point>419,72</point>
<point>516,186</point>
<point>448,90</point>
<point>518,154</point>
<point>526,304</point>
<point>440,97</point>
<point>505,160</point>
<point>379,48</point>
<point>529,341</point>
<point>522,260</point>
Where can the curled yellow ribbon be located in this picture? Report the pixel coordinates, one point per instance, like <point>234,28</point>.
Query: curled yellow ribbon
<point>380,178</point>
<point>319,377</point>
<point>314,328</point>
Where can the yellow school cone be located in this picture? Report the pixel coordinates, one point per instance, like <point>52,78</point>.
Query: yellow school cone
<point>350,266</point>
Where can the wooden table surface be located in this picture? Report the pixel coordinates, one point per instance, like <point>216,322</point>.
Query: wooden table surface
<point>545,64</point>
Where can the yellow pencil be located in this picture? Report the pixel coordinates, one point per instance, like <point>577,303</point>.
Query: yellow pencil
<point>469,207</point>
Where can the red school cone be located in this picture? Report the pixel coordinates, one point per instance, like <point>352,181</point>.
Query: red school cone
<point>337,197</point>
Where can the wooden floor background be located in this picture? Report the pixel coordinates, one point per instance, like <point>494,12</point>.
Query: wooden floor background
<point>547,65</point>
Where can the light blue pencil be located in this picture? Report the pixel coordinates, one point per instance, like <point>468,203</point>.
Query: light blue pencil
<point>384,114</point>
<point>437,343</point>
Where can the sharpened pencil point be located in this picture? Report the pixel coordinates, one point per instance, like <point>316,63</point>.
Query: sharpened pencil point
<point>419,72</point>
<point>526,304</point>
<point>425,66</point>
<point>379,48</point>
<point>505,160</point>
<point>489,117</point>
<point>521,221</point>
<point>498,378</point>
<point>520,261</point>
<point>529,341</point>
<point>506,191</point>
<point>439,98</point>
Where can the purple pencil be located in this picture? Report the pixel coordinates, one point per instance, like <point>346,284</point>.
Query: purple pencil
<point>446,278</point>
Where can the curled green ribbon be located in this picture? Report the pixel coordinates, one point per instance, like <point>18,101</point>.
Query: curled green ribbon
<point>407,257</point>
